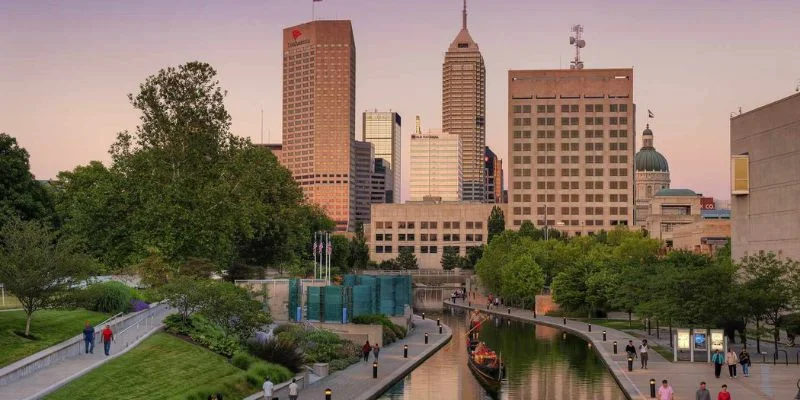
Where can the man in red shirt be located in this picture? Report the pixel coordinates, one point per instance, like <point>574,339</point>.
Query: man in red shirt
<point>108,336</point>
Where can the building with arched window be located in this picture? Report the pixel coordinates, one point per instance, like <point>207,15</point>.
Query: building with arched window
<point>652,176</point>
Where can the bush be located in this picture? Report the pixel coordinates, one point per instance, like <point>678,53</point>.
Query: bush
<point>139,305</point>
<point>203,332</point>
<point>399,331</point>
<point>109,297</point>
<point>338,365</point>
<point>276,373</point>
<point>388,336</point>
<point>279,352</point>
<point>231,387</point>
<point>243,360</point>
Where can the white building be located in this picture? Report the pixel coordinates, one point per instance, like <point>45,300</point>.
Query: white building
<point>436,167</point>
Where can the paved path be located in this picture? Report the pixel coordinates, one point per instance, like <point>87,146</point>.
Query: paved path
<point>53,377</point>
<point>356,382</point>
<point>767,381</point>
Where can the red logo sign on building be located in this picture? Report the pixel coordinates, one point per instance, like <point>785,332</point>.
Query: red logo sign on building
<point>707,203</point>
<point>296,33</point>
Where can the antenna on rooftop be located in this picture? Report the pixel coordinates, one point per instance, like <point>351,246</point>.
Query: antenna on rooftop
<point>797,88</point>
<point>579,43</point>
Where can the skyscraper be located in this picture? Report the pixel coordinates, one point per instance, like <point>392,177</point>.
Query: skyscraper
<point>494,177</point>
<point>464,106</point>
<point>365,167</point>
<point>435,166</point>
<point>319,98</point>
<point>383,130</point>
<point>571,143</point>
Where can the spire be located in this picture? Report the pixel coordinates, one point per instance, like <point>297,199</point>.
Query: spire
<point>464,16</point>
<point>647,138</point>
<point>418,130</point>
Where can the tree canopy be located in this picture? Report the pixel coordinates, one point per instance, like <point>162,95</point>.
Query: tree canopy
<point>496,223</point>
<point>21,196</point>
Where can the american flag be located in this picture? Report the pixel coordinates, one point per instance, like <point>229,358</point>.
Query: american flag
<point>330,249</point>
<point>320,247</point>
<point>314,248</point>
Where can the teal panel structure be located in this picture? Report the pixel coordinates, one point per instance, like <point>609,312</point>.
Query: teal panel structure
<point>294,298</point>
<point>314,304</point>
<point>386,297</point>
<point>363,296</point>
<point>350,280</point>
<point>334,302</point>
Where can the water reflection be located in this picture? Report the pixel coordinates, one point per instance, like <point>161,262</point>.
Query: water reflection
<point>541,364</point>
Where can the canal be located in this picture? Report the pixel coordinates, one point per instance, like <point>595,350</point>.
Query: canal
<point>542,362</point>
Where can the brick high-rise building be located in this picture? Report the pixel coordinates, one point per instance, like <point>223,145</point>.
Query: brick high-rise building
<point>571,142</point>
<point>319,99</point>
<point>464,106</point>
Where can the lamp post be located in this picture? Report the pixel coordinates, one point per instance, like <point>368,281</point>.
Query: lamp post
<point>615,347</point>
<point>652,388</point>
<point>328,393</point>
<point>405,351</point>
<point>374,370</point>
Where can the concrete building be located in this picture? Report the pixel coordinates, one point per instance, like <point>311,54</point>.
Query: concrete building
<point>427,228</point>
<point>652,175</point>
<point>365,167</point>
<point>319,80</point>
<point>493,173</point>
<point>765,166</point>
<point>571,148</point>
<point>705,236</point>
<point>383,130</point>
<point>464,106</point>
<point>669,209</point>
<point>381,179</point>
<point>436,169</point>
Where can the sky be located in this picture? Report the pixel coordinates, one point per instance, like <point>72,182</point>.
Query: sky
<point>66,66</point>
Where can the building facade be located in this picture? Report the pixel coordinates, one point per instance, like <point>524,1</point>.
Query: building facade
<point>705,236</point>
<point>765,165</point>
<point>436,170</point>
<point>493,173</point>
<point>464,106</point>
<point>571,148</point>
<point>319,78</point>
<point>365,167</point>
<point>275,148</point>
<point>670,209</point>
<point>652,175</point>
<point>427,228</point>
<point>381,179</point>
<point>384,131</point>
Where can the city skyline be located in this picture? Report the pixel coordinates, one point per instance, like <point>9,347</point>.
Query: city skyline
<point>70,67</point>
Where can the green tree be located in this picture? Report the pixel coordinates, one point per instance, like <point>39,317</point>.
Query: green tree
<point>496,223</point>
<point>340,258</point>
<point>528,230</point>
<point>21,195</point>
<point>359,251</point>
<point>231,308</point>
<point>450,258</point>
<point>186,295</point>
<point>522,279</point>
<point>499,252</point>
<point>406,259</point>
<point>474,253</point>
<point>37,267</point>
<point>153,270</point>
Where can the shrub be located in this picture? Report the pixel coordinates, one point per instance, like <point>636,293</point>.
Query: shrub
<point>109,297</point>
<point>397,330</point>
<point>230,387</point>
<point>276,373</point>
<point>139,305</point>
<point>204,333</point>
<point>278,352</point>
<point>388,336</point>
<point>243,360</point>
<point>338,365</point>
<point>174,324</point>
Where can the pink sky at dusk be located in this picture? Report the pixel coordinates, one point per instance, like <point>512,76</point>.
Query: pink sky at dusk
<point>67,66</point>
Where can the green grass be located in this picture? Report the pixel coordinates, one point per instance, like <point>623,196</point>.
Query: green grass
<point>11,302</point>
<point>49,326</point>
<point>161,367</point>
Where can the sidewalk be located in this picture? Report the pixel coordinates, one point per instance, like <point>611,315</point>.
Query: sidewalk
<point>356,382</point>
<point>53,377</point>
<point>766,381</point>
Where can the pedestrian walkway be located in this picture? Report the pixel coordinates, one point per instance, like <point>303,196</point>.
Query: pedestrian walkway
<point>53,377</point>
<point>766,382</point>
<point>356,382</point>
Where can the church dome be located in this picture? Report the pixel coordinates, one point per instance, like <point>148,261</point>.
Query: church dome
<point>648,159</point>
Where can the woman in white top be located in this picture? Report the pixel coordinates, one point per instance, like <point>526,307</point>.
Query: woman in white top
<point>643,348</point>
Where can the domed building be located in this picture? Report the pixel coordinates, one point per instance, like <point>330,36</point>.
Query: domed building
<point>652,175</point>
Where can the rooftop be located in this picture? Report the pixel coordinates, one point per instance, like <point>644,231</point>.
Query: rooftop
<point>676,192</point>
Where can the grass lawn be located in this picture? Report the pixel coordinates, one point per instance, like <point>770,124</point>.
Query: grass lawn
<point>161,367</point>
<point>50,326</point>
<point>11,302</point>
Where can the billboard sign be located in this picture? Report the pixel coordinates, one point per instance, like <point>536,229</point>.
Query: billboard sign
<point>717,340</point>
<point>700,341</point>
<point>684,339</point>
<point>707,203</point>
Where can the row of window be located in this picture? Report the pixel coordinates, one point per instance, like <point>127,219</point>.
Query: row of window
<point>575,222</point>
<point>422,249</point>
<point>571,159</point>
<point>565,108</point>
<point>551,172</point>
<point>446,237</point>
<point>429,224</point>
<point>611,185</point>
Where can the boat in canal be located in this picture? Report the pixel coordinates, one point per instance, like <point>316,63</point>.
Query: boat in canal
<point>485,364</point>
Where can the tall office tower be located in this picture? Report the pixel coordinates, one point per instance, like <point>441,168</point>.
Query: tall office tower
<point>464,106</point>
<point>493,171</point>
<point>381,179</point>
<point>382,129</point>
<point>319,100</point>
<point>571,142</point>
<point>365,159</point>
<point>435,166</point>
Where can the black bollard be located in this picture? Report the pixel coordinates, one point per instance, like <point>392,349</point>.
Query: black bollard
<point>423,315</point>
<point>590,327</point>
<point>615,347</point>
<point>534,313</point>
<point>565,320</point>
<point>328,393</point>
<point>630,363</point>
<point>652,388</point>
<point>405,351</point>
<point>426,337</point>
<point>438,323</point>
<point>509,310</point>
<point>440,329</point>
<point>604,336</point>
<point>375,370</point>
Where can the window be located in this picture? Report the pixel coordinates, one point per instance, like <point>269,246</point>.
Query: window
<point>541,109</point>
<point>379,236</point>
<point>387,249</point>
<point>598,108</point>
<point>387,237</point>
<point>564,108</point>
<point>401,237</point>
<point>434,225</point>
<point>469,237</point>
<point>469,224</point>
<point>589,108</point>
<point>410,225</point>
<point>410,237</point>
<point>613,121</point>
<point>423,225</point>
<point>401,225</point>
<point>589,121</point>
<point>573,108</point>
<point>479,224</point>
<point>623,108</point>
<point>400,249</point>
<point>388,225</point>
<point>379,249</point>
<point>479,237</point>
<point>379,225</point>
<point>551,108</point>
<point>447,225</point>
<point>611,108</point>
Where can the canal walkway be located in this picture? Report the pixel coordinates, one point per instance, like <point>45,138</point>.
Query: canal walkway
<point>766,382</point>
<point>356,381</point>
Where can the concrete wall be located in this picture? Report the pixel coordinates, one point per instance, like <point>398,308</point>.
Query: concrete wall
<point>275,293</point>
<point>355,333</point>
<point>767,218</point>
<point>697,237</point>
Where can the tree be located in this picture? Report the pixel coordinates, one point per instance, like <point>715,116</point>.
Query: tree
<point>522,280</point>
<point>232,309</point>
<point>38,267</point>
<point>21,195</point>
<point>154,271</point>
<point>186,295</point>
<point>340,258</point>
<point>474,253</point>
<point>406,259</point>
<point>359,251</point>
<point>499,252</point>
<point>450,258</point>
<point>528,230</point>
<point>496,223</point>
<point>197,268</point>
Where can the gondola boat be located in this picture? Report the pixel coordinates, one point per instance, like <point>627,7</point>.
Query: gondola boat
<point>485,364</point>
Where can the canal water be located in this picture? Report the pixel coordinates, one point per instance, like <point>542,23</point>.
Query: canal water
<point>541,362</point>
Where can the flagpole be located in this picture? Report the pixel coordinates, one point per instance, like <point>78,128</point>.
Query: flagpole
<point>314,249</point>
<point>313,3</point>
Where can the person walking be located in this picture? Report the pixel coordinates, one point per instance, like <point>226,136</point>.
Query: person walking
<point>665,392</point>
<point>643,353</point>
<point>731,359</point>
<point>365,349</point>
<point>375,351</point>
<point>744,359</point>
<point>718,359</point>
<point>724,394</point>
<point>107,338</point>
<point>293,390</point>
<point>631,349</point>
<point>88,337</point>
<point>268,386</point>
<point>702,393</point>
